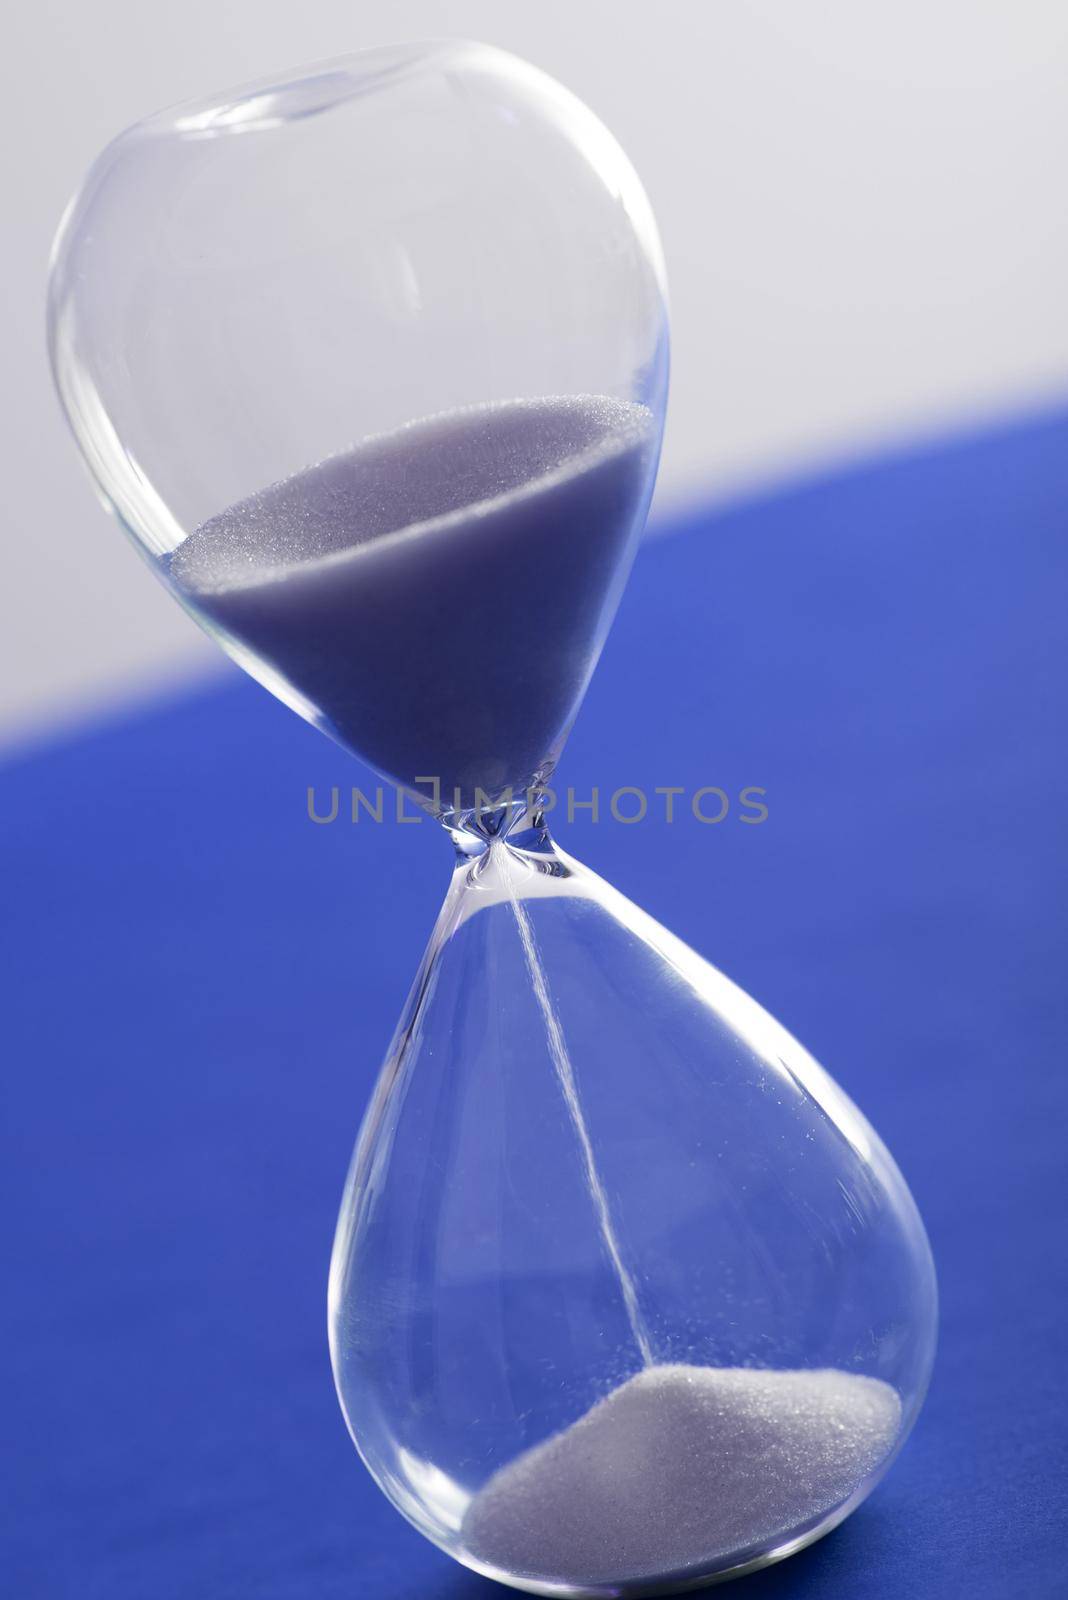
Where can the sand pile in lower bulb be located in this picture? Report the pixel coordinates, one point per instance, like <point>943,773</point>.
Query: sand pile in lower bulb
<point>682,1467</point>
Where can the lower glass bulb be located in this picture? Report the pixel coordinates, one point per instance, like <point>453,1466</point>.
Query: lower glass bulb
<point>626,1294</point>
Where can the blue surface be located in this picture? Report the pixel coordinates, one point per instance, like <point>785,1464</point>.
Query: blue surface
<point>199,984</point>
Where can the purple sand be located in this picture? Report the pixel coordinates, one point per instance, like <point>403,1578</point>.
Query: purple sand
<point>438,594</point>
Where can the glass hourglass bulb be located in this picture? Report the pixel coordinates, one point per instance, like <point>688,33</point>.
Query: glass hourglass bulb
<point>371,363</point>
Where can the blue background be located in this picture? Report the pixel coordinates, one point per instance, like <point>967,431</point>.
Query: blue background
<point>198,985</point>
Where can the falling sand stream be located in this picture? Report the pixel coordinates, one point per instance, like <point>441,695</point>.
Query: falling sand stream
<point>683,1470</point>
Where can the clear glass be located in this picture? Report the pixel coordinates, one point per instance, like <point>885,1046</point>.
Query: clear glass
<point>371,363</point>
<point>245,287</point>
<point>626,1295</point>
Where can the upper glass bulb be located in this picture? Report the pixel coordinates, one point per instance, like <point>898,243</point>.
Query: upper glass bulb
<point>358,352</point>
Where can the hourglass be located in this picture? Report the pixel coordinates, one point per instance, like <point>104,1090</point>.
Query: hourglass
<point>371,363</point>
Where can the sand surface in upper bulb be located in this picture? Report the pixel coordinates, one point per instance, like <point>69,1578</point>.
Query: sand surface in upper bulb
<point>683,1468</point>
<point>437,595</point>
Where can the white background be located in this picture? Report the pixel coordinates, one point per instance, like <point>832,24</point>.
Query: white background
<point>863,208</point>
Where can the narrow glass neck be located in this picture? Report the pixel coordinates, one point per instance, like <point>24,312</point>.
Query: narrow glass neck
<point>520,821</point>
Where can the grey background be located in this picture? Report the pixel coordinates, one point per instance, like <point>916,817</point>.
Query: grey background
<point>862,209</point>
